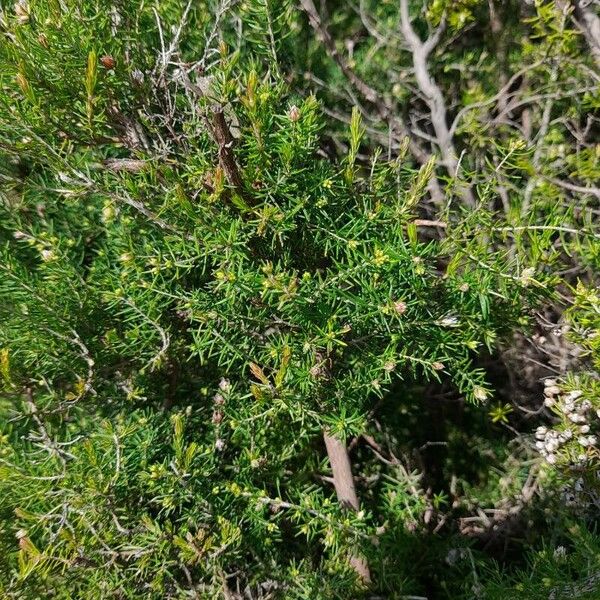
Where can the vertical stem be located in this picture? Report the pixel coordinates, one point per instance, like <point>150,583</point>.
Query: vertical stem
<point>342,471</point>
<point>224,138</point>
<point>345,490</point>
<point>421,51</point>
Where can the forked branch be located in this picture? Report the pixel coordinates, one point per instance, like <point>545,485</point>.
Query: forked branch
<point>384,109</point>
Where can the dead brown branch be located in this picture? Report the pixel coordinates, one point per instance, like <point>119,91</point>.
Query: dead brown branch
<point>225,141</point>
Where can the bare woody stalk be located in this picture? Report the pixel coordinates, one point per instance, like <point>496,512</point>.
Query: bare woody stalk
<point>221,134</point>
<point>225,141</point>
<point>343,482</point>
<point>383,107</point>
<point>421,51</point>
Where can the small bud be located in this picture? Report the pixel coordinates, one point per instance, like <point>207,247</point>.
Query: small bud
<point>449,321</point>
<point>48,255</point>
<point>480,393</point>
<point>224,385</point>
<point>527,275</point>
<point>294,114</point>
<point>23,83</point>
<point>454,554</point>
<point>316,371</point>
<point>400,307</point>
<point>560,553</point>
<point>22,12</point>
<point>108,213</point>
<point>108,62</point>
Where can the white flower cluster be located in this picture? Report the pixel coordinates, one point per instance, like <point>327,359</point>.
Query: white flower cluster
<point>575,413</point>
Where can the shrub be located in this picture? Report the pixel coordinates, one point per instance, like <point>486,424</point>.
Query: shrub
<point>203,311</point>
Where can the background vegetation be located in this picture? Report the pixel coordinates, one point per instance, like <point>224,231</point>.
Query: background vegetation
<point>299,301</point>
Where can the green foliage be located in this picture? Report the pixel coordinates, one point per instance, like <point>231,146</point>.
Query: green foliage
<point>200,275</point>
<point>558,571</point>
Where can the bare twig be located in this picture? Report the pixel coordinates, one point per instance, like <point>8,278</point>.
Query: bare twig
<point>157,359</point>
<point>342,471</point>
<point>504,93</point>
<point>173,46</point>
<point>557,228</point>
<point>43,438</point>
<point>579,189</point>
<point>224,6</point>
<point>420,51</point>
<point>128,165</point>
<point>501,520</point>
<point>76,340</point>
<point>539,146</point>
<point>83,180</point>
<point>222,136</point>
<point>429,223</point>
<point>382,106</point>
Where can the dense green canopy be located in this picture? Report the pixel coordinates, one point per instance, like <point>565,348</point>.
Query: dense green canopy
<point>299,301</point>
